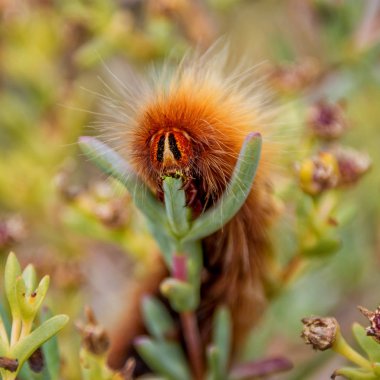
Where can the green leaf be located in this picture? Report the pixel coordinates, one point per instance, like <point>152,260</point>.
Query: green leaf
<point>166,359</point>
<point>352,373</point>
<point>111,163</point>
<point>5,318</point>
<point>157,318</point>
<point>30,278</point>
<point>236,193</point>
<point>30,302</point>
<point>222,338</point>
<point>166,244</point>
<point>26,346</point>
<point>368,344</point>
<point>3,347</point>
<point>41,291</point>
<point>51,350</point>
<point>181,295</point>
<point>193,251</point>
<point>26,309</point>
<point>213,364</point>
<point>12,271</point>
<point>175,203</point>
<point>324,247</point>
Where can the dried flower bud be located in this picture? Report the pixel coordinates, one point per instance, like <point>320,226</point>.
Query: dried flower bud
<point>94,336</point>
<point>10,365</point>
<point>113,214</point>
<point>100,201</point>
<point>327,121</point>
<point>374,318</point>
<point>36,361</point>
<point>352,165</point>
<point>12,230</point>
<point>320,332</point>
<point>318,174</point>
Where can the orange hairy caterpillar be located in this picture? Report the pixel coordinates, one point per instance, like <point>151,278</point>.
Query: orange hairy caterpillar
<point>192,123</point>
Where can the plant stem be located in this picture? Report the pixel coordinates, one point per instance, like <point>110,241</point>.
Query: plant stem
<point>193,343</point>
<point>291,269</point>
<point>189,322</point>
<point>343,348</point>
<point>3,333</point>
<point>25,330</point>
<point>16,328</point>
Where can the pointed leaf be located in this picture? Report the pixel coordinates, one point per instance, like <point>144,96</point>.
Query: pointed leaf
<point>222,337</point>
<point>157,318</point>
<point>324,247</point>
<point>352,373</point>
<point>236,193</point>
<point>181,295</point>
<point>41,291</point>
<point>51,350</point>
<point>175,204</point>
<point>367,343</point>
<point>166,359</point>
<point>111,163</point>
<point>12,271</point>
<point>26,310</point>
<point>213,364</point>
<point>3,347</point>
<point>25,347</point>
<point>30,278</point>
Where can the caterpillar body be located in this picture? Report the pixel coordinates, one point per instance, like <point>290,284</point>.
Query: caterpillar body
<point>192,122</point>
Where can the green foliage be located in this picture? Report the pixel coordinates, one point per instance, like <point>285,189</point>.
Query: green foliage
<point>182,290</point>
<point>25,299</point>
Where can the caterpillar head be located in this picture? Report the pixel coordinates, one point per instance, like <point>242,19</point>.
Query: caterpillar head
<point>170,152</point>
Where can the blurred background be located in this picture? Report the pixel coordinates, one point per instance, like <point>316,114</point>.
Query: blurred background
<point>60,213</point>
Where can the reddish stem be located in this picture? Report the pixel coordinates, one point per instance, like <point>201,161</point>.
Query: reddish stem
<point>193,343</point>
<point>180,267</point>
<point>189,323</point>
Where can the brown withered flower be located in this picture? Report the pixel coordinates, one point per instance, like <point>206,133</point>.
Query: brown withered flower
<point>94,337</point>
<point>327,120</point>
<point>318,173</point>
<point>37,361</point>
<point>352,165</point>
<point>374,318</point>
<point>320,332</point>
<point>12,230</point>
<point>10,365</point>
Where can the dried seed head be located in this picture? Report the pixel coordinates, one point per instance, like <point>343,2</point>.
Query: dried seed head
<point>352,165</point>
<point>327,121</point>
<point>374,318</point>
<point>318,174</point>
<point>94,337</point>
<point>320,332</point>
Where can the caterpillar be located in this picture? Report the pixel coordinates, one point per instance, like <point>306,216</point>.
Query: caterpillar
<point>192,121</point>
